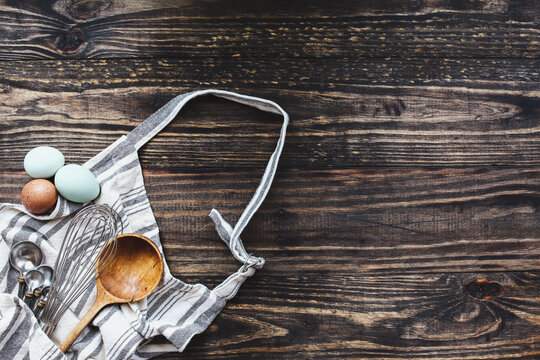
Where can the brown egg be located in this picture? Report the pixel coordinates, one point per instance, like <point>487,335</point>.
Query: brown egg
<point>39,196</point>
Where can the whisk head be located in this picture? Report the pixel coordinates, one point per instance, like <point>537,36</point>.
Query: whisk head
<point>87,249</point>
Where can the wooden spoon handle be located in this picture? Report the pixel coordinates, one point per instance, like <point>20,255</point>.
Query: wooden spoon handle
<point>98,305</point>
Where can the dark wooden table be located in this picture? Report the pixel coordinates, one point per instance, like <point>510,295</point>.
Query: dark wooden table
<point>404,219</point>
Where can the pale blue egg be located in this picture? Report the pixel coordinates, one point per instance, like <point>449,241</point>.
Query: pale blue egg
<point>43,162</point>
<point>76,183</point>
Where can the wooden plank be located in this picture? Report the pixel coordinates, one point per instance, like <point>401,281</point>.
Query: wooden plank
<point>517,9</point>
<point>316,75</point>
<point>353,316</point>
<point>345,113</point>
<point>380,221</point>
<point>120,29</point>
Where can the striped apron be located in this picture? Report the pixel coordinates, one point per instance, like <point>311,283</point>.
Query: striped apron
<point>176,311</point>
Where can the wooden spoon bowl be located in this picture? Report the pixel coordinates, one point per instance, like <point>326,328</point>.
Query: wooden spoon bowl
<point>132,275</point>
<point>135,269</point>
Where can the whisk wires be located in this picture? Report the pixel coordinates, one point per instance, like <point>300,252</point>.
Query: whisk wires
<point>87,249</point>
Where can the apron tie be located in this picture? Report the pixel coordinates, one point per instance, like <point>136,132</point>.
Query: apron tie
<point>230,235</point>
<point>225,231</point>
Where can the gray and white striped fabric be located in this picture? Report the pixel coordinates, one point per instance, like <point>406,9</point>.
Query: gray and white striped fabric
<point>175,312</point>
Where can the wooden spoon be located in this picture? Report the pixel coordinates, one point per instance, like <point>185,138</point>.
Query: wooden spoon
<point>133,273</point>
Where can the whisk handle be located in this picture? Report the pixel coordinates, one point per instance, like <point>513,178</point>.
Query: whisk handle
<point>98,305</point>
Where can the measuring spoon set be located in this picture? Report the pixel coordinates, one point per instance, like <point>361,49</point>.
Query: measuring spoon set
<point>34,277</point>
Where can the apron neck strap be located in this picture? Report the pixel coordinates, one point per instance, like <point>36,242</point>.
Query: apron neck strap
<point>230,235</point>
<point>161,118</point>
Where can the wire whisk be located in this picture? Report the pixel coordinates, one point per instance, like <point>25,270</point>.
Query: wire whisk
<point>87,249</point>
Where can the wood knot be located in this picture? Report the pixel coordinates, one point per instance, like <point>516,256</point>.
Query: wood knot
<point>483,289</point>
<point>393,107</point>
<point>71,41</point>
<point>87,9</point>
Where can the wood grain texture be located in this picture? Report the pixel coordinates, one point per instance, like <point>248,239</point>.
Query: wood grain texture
<point>344,114</point>
<point>355,316</point>
<point>403,221</point>
<point>62,29</point>
<point>382,221</point>
<point>318,75</point>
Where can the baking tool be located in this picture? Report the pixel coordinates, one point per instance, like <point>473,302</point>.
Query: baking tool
<point>38,308</point>
<point>91,236</point>
<point>24,256</point>
<point>39,196</point>
<point>132,275</point>
<point>33,279</point>
<point>47,273</point>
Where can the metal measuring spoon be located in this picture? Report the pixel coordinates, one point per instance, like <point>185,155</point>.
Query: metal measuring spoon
<point>24,256</point>
<point>47,273</point>
<point>38,309</point>
<point>33,279</point>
